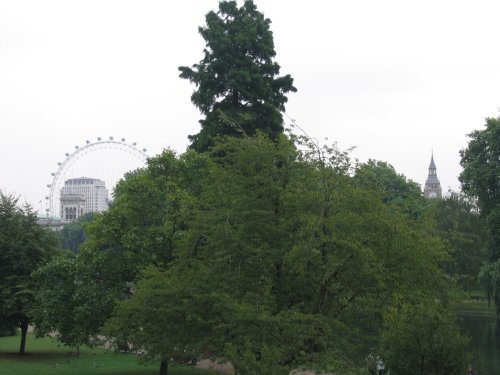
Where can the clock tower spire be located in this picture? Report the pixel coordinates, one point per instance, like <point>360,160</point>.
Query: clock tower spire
<point>432,186</point>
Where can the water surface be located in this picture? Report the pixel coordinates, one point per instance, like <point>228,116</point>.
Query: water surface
<point>484,334</point>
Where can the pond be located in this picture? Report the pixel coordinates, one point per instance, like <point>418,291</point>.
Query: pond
<point>484,334</point>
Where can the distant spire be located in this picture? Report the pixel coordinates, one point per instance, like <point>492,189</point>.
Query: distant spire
<point>432,165</point>
<point>432,186</point>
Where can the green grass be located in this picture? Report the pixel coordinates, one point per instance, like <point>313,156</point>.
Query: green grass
<point>46,356</point>
<point>476,304</point>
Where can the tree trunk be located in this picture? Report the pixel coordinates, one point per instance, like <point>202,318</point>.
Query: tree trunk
<point>422,362</point>
<point>497,302</point>
<point>163,366</point>
<point>24,331</point>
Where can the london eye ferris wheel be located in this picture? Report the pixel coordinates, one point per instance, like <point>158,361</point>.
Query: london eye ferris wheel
<point>105,159</point>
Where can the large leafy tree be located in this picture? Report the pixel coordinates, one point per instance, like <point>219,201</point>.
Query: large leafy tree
<point>292,259</point>
<point>239,89</point>
<point>145,225</point>
<point>24,246</point>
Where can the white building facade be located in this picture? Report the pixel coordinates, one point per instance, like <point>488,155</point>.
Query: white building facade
<point>83,195</point>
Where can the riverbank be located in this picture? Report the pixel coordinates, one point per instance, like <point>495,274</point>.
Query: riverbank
<point>475,305</point>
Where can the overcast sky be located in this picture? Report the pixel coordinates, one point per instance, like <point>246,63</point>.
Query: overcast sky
<point>396,79</point>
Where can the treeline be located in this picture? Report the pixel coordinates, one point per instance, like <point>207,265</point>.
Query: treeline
<point>272,254</point>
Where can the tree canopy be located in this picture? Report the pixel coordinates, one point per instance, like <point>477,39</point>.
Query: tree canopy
<point>282,264</point>
<point>144,226</point>
<point>272,254</point>
<point>239,89</point>
<point>24,246</point>
<point>465,234</point>
<point>73,234</point>
<point>396,190</point>
<point>423,339</point>
<point>480,177</point>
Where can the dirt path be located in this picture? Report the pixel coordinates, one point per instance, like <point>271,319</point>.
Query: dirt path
<point>223,368</point>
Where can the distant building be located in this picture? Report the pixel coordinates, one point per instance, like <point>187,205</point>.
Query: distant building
<point>72,206</point>
<point>54,223</point>
<point>432,187</point>
<point>82,195</point>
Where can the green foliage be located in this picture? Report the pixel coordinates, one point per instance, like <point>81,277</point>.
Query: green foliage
<point>423,339</point>
<point>147,222</point>
<point>73,234</point>
<point>466,236</point>
<point>394,188</point>
<point>24,246</point>
<point>145,225</point>
<point>286,261</point>
<point>489,279</point>
<point>162,318</point>
<point>75,296</point>
<point>480,177</point>
<point>267,256</point>
<point>238,87</point>
<point>7,328</point>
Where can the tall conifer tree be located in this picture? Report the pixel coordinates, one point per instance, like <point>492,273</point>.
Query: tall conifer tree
<point>239,89</point>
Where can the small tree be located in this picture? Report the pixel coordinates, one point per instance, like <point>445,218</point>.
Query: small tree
<point>238,87</point>
<point>75,295</point>
<point>24,246</point>
<point>423,339</point>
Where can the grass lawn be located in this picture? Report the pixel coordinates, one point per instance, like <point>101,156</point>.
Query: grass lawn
<point>476,302</point>
<point>475,306</point>
<point>46,357</point>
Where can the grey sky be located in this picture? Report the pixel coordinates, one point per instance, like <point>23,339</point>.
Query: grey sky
<point>393,78</point>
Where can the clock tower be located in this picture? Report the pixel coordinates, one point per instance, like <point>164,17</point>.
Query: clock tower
<point>432,186</point>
